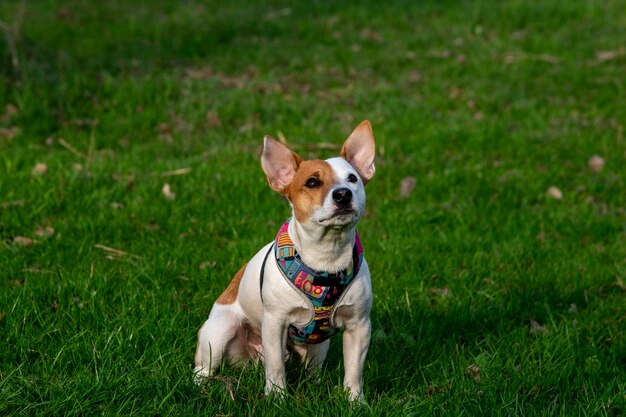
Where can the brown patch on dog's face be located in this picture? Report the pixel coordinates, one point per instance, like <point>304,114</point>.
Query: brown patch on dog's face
<point>230,293</point>
<point>309,187</point>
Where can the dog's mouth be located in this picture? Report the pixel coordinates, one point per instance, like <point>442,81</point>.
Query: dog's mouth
<point>343,211</point>
<point>340,216</point>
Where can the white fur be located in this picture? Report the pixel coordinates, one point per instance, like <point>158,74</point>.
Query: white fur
<point>325,244</point>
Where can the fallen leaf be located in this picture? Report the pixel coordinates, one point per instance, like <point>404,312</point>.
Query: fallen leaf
<point>213,119</point>
<point>167,192</point>
<point>604,56</point>
<point>473,371</point>
<point>439,54</point>
<point>65,14</point>
<point>415,76</point>
<point>537,328</point>
<point>24,241</point>
<point>596,163</point>
<point>371,35</point>
<point>207,264</point>
<point>555,193</point>
<point>433,389</point>
<point>164,128</point>
<point>512,57</point>
<point>407,185</point>
<point>152,227</point>
<point>455,92</point>
<point>10,109</point>
<point>180,171</point>
<point>16,283</point>
<point>444,292</point>
<point>39,169</point>
<point>200,73</point>
<point>227,380</point>
<point>114,252</point>
<point>42,231</point>
<point>9,133</point>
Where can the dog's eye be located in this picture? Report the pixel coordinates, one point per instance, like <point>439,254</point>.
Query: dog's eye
<point>312,183</point>
<point>352,178</point>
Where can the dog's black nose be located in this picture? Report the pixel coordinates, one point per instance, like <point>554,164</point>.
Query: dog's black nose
<point>342,196</point>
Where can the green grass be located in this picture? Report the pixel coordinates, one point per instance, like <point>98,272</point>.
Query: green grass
<point>486,105</point>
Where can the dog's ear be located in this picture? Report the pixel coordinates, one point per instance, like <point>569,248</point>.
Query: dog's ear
<point>359,149</point>
<point>279,164</point>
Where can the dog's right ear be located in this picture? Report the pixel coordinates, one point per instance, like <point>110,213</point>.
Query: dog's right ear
<point>279,164</point>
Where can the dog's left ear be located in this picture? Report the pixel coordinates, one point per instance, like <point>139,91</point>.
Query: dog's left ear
<point>359,149</point>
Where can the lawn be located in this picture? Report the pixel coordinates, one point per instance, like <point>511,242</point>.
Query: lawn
<point>131,192</point>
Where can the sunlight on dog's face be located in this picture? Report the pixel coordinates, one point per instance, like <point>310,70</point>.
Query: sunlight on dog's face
<point>344,201</point>
<point>329,193</point>
<point>326,193</point>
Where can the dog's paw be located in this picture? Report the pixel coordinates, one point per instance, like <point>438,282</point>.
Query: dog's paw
<point>275,393</point>
<point>355,397</point>
<point>200,375</point>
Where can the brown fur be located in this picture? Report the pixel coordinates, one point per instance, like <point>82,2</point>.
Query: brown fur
<point>359,150</point>
<point>230,293</point>
<point>305,199</point>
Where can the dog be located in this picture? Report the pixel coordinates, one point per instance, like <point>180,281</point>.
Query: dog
<point>308,282</point>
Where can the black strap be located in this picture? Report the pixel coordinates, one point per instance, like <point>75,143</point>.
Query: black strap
<point>263,270</point>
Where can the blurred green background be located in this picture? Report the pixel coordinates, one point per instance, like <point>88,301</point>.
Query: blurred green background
<point>131,191</point>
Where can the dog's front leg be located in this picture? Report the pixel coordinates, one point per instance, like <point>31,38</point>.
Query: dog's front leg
<point>356,340</point>
<point>274,334</point>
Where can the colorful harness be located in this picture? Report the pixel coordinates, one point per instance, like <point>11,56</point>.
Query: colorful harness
<point>323,289</point>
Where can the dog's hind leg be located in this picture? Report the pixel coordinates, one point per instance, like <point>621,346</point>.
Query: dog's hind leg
<point>214,338</point>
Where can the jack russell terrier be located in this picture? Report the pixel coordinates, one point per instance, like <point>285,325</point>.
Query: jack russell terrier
<point>307,283</point>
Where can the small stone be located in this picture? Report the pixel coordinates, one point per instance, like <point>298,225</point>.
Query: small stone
<point>213,119</point>
<point>555,193</point>
<point>596,163</point>
<point>473,371</point>
<point>407,185</point>
<point>39,169</point>
<point>167,192</point>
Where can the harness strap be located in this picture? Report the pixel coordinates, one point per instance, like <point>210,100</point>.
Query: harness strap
<point>263,270</point>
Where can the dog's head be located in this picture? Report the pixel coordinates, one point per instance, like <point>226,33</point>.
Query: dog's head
<point>330,192</point>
